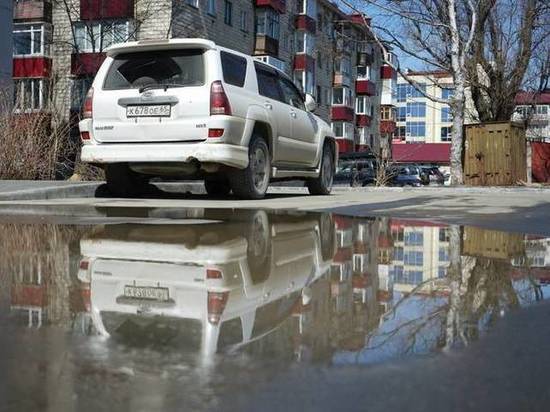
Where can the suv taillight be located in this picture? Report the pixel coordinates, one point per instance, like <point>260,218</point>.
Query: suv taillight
<point>216,305</point>
<point>219,103</point>
<point>88,103</point>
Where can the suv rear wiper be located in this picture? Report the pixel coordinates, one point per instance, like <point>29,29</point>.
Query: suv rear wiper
<point>160,86</point>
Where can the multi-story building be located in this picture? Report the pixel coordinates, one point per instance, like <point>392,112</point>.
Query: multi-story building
<point>328,52</point>
<point>422,124</point>
<point>6,43</point>
<point>534,110</point>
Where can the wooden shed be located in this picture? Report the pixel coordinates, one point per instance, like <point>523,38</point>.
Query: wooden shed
<point>495,154</point>
<point>492,244</point>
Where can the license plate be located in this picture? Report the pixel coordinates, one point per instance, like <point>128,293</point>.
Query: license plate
<point>153,110</point>
<point>146,292</point>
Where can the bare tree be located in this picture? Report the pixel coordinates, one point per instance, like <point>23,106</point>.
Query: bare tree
<point>439,34</point>
<point>510,52</point>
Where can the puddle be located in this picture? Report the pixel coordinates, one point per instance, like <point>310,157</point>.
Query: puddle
<point>183,307</point>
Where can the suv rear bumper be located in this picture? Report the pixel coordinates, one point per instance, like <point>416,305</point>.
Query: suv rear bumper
<point>226,154</point>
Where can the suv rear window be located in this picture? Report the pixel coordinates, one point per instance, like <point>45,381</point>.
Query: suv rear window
<point>234,69</point>
<point>174,67</point>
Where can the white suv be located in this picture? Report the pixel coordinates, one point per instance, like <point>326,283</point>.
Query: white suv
<point>190,109</point>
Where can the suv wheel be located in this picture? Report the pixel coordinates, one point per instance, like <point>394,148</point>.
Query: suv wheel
<point>217,187</point>
<point>253,181</point>
<point>323,184</point>
<point>124,182</point>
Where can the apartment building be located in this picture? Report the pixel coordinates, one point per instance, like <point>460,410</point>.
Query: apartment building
<point>534,110</point>
<point>329,53</point>
<point>422,124</point>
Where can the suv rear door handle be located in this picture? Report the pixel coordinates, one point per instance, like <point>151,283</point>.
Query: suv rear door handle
<point>293,114</point>
<point>268,105</point>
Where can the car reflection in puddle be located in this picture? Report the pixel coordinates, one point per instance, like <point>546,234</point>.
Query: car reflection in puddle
<point>255,291</point>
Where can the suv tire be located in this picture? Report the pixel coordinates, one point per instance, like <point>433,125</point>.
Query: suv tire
<point>253,181</point>
<point>323,184</point>
<point>124,182</point>
<point>217,187</point>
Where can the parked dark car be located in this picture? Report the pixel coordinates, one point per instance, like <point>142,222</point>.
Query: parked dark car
<point>355,172</point>
<point>406,176</point>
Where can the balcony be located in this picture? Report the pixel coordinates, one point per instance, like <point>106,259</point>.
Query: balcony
<point>304,22</point>
<point>341,79</point>
<point>266,45</point>
<point>32,10</point>
<point>304,62</point>
<point>344,145</point>
<point>84,64</point>
<point>365,87</point>
<point>364,59</point>
<point>363,120</point>
<point>31,67</point>
<point>343,113</point>
<point>387,126</point>
<point>387,72</point>
<point>106,9</point>
<point>277,5</point>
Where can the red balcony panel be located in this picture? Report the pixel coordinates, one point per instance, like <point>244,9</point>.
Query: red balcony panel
<point>384,296</point>
<point>387,126</point>
<point>304,22</point>
<point>345,145</point>
<point>342,113</point>
<point>365,87</point>
<point>31,67</point>
<point>32,10</point>
<point>363,120</point>
<point>278,5</point>
<point>358,19</point>
<point>106,9</point>
<point>343,255</point>
<point>362,148</point>
<point>28,295</point>
<point>387,72</point>
<point>86,63</point>
<point>304,62</point>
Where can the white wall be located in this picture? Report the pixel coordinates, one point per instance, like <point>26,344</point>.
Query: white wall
<point>6,19</point>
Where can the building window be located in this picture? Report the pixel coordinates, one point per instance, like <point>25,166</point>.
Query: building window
<point>305,81</point>
<point>319,96</point>
<point>362,105</point>
<point>416,109</point>
<point>97,36</point>
<point>244,20</point>
<point>386,113</point>
<point>405,91</point>
<point>305,42</point>
<point>211,7</point>
<point>319,60</point>
<point>446,114</point>
<point>228,13</point>
<point>342,96</point>
<point>443,254</point>
<point>414,238</point>
<point>446,134</point>
<point>343,66</point>
<point>402,92</point>
<point>363,136</point>
<point>267,23</point>
<point>401,114</point>
<point>343,130</point>
<point>363,72</point>
<point>447,93</point>
<point>308,7</point>
<point>413,258</point>
<point>30,94</point>
<point>194,3</point>
<point>416,129</point>
<point>31,39</point>
<point>400,132</point>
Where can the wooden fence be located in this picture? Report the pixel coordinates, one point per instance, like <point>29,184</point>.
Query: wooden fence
<point>495,154</point>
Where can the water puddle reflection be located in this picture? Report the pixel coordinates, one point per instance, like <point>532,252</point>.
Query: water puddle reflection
<point>178,308</point>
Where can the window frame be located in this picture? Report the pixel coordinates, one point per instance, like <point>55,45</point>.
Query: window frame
<point>32,28</point>
<point>228,12</point>
<point>258,66</point>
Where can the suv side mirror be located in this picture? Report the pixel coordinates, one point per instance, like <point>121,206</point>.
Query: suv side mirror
<point>310,103</point>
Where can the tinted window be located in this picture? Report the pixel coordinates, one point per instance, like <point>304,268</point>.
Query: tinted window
<point>291,94</point>
<point>268,83</point>
<point>234,69</point>
<point>134,70</point>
